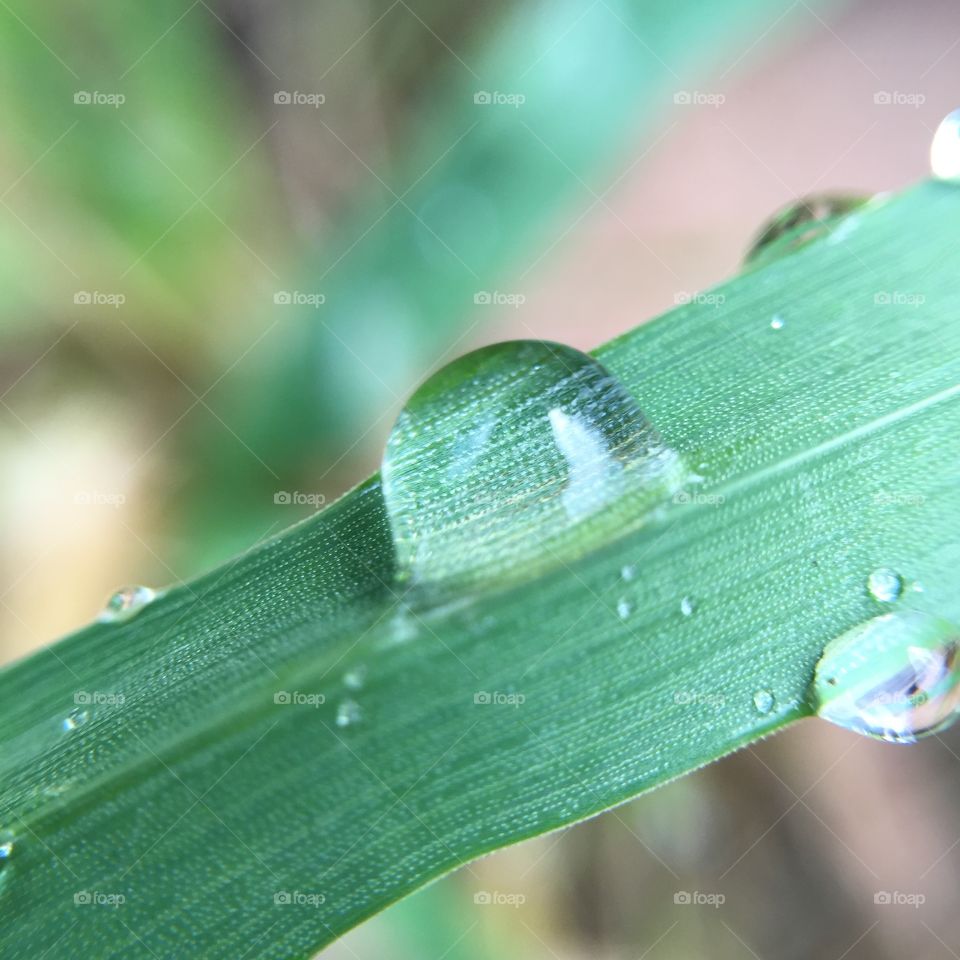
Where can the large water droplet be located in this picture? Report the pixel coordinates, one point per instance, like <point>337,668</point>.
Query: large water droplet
<point>514,458</point>
<point>885,584</point>
<point>800,223</point>
<point>945,148</point>
<point>894,677</point>
<point>126,603</point>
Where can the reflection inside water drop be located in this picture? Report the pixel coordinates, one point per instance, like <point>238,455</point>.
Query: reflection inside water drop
<point>800,223</point>
<point>7,840</point>
<point>894,677</point>
<point>514,458</point>
<point>126,603</point>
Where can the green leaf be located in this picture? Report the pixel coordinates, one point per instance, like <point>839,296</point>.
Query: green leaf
<point>829,448</point>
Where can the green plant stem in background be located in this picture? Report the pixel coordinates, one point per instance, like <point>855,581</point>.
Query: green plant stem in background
<point>238,771</point>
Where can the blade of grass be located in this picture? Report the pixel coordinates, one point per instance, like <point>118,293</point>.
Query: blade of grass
<point>829,447</point>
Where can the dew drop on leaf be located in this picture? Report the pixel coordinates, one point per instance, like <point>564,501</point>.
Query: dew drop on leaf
<point>515,458</point>
<point>628,572</point>
<point>686,606</point>
<point>945,148</point>
<point>126,603</point>
<point>624,608</point>
<point>73,720</point>
<point>348,713</point>
<point>800,223</point>
<point>763,701</point>
<point>885,584</point>
<point>777,322</point>
<point>7,843</point>
<point>894,677</point>
<point>355,678</point>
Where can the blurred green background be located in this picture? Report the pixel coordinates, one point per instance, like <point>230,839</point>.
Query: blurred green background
<point>234,235</point>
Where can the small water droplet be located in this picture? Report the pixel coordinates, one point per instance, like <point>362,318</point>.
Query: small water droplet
<point>945,148</point>
<point>686,606</point>
<point>126,603</point>
<point>73,720</point>
<point>348,713</point>
<point>355,678</point>
<point>894,677</point>
<point>763,701</point>
<point>885,584</point>
<point>624,609</point>
<point>628,572</point>
<point>515,458</point>
<point>800,223</point>
<point>777,322</point>
<point>7,843</point>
